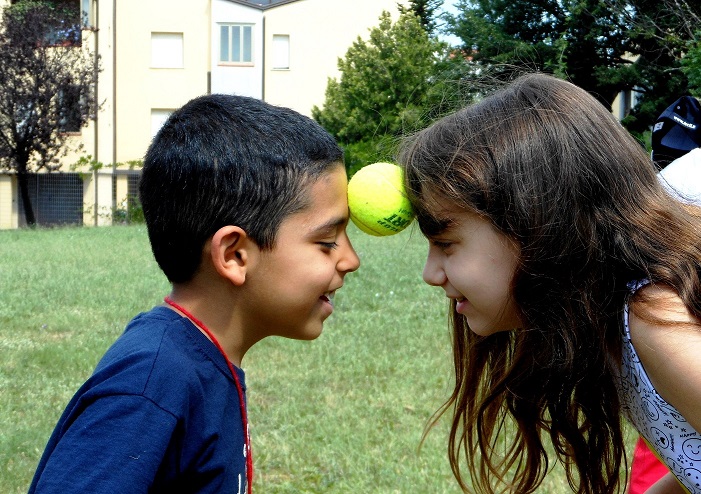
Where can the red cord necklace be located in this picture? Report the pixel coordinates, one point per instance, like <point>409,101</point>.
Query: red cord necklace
<point>239,388</point>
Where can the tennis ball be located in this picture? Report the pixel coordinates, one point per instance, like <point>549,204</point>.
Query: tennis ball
<point>377,201</point>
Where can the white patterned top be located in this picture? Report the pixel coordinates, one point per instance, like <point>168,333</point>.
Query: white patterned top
<point>669,435</point>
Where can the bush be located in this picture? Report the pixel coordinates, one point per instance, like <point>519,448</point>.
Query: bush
<point>365,152</point>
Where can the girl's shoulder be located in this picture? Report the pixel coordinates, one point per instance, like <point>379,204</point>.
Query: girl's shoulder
<point>660,303</point>
<point>667,339</point>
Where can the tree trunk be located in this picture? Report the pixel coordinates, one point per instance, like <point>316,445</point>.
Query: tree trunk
<point>23,181</point>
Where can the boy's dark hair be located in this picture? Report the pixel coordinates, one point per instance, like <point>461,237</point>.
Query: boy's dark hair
<point>227,160</point>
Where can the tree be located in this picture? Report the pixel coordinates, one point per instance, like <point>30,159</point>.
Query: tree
<point>46,87</point>
<point>579,39</point>
<point>692,65</point>
<point>662,36</point>
<point>603,46</point>
<point>426,11</point>
<point>383,82</point>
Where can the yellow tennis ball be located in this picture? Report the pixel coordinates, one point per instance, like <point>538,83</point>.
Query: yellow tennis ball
<point>377,201</point>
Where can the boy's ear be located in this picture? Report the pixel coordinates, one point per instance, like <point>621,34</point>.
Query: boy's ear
<point>231,251</point>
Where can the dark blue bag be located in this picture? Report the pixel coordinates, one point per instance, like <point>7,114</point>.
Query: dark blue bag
<point>676,131</point>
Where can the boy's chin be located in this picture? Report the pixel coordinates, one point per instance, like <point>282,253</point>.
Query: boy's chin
<point>311,335</point>
<point>308,333</point>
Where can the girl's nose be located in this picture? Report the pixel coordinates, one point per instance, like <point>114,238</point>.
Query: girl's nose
<point>433,273</point>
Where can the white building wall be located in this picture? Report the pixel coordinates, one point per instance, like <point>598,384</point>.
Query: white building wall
<point>136,95</point>
<point>8,201</point>
<point>320,32</point>
<point>141,86</point>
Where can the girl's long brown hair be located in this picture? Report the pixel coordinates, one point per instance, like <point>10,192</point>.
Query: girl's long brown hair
<point>556,172</point>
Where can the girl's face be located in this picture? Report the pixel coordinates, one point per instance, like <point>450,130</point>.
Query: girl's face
<point>475,263</point>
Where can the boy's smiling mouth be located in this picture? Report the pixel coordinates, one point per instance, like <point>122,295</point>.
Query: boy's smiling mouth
<point>328,297</point>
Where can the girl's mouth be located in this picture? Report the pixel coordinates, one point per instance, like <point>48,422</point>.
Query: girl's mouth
<point>461,305</point>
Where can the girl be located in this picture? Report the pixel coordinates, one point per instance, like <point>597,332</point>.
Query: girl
<point>575,291</point>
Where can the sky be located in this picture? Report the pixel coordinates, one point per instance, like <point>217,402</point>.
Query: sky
<point>448,6</point>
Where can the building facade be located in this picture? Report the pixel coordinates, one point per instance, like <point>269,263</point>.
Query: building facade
<point>156,55</point>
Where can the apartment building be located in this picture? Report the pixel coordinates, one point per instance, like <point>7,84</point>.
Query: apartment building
<point>156,55</point>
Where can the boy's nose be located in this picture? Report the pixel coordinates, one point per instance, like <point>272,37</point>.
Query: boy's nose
<point>349,260</point>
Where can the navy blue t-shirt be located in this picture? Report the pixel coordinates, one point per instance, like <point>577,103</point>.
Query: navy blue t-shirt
<point>160,414</point>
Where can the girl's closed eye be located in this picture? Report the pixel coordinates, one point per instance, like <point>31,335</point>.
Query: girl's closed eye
<point>441,244</point>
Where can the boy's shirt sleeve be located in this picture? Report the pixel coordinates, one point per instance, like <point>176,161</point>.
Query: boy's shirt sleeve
<point>115,444</point>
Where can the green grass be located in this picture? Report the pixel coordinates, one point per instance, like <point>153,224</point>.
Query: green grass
<point>344,413</point>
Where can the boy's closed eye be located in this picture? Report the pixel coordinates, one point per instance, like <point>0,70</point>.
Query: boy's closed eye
<point>327,234</point>
<point>328,245</point>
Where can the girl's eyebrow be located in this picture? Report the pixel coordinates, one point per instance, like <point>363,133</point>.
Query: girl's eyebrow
<point>432,225</point>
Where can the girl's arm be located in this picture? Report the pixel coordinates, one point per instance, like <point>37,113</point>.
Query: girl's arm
<point>671,354</point>
<point>668,484</point>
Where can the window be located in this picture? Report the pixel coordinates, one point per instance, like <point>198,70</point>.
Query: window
<point>167,50</point>
<point>86,13</point>
<point>236,43</point>
<point>281,51</point>
<point>158,118</point>
<point>70,118</point>
<point>628,99</point>
<point>61,28</point>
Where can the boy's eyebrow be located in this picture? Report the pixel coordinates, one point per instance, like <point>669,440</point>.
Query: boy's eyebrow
<point>330,225</point>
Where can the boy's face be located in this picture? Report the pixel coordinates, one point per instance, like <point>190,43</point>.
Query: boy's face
<point>290,291</point>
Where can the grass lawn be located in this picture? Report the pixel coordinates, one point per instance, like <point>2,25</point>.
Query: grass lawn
<point>344,413</point>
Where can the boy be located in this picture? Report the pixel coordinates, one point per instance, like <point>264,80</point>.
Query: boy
<point>246,210</point>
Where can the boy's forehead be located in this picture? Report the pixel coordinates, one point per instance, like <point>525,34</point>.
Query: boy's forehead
<point>331,173</point>
<point>325,205</point>
<point>309,185</point>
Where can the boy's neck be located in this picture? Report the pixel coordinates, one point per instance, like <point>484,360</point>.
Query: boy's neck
<point>204,306</point>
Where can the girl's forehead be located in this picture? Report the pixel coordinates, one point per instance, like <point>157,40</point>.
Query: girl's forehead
<point>440,206</point>
<point>433,199</point>
<point>438,213</point>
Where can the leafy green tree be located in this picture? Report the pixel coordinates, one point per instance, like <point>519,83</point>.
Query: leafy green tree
<point>578,39</point>
<point>46,87</point>
<point>691,64</point>
<point>595,50</point>
<point>604,46</point>
<point>660,34</point>
<point>426,11</point>
<point>383,82</point>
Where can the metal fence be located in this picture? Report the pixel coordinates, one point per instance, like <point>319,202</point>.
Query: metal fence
<point>56,198</point>
<point>127,208</point>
